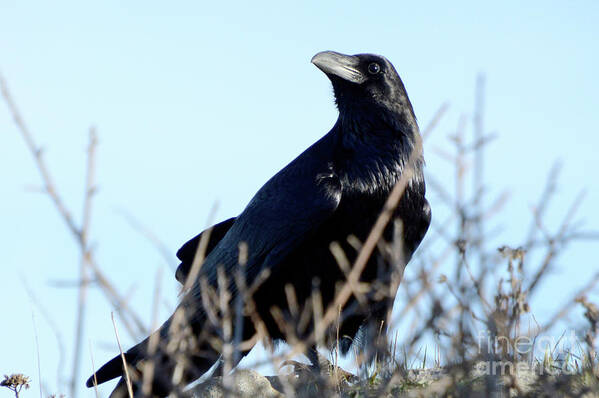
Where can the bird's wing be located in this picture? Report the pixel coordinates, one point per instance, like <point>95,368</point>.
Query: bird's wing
<point>286,210</point>
<point>188,251</point>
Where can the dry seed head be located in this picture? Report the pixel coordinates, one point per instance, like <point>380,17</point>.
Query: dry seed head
<point>15,380</point>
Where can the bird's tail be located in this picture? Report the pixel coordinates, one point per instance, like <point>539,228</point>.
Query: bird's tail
<point>110,370</point>
<point>175,361</point>
<point>115,367</point>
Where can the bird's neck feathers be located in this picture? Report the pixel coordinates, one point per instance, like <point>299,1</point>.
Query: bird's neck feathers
<point>377,147</point>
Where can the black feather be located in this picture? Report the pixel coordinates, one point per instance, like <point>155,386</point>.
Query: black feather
<point>188,251</point>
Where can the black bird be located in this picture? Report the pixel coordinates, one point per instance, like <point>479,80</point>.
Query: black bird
<point>332,192</point>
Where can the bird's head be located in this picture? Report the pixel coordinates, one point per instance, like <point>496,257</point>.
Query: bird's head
<point>365,82</point>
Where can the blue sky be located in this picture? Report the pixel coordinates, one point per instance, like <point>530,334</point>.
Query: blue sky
<point>189,101</point>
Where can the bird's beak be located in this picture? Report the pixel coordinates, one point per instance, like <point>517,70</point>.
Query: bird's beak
<point>341,65</point>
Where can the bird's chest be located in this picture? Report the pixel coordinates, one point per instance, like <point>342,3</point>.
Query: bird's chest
<point>357,214</point>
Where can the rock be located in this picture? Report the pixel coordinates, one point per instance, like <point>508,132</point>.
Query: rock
<point>245,383</point>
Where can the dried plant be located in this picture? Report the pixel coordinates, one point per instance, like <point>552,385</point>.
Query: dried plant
<point>467,301</point>
<point>15,382</point>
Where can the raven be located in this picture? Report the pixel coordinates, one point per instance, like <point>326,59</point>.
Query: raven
<point>332,193</point>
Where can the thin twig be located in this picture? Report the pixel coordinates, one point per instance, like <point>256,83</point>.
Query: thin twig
<point>37,153</point>
<point>37,349</point>
<point>85,256</point>
<point>435,120</point>
<point>55,329</point>
<point>91,355</point>
<point>563,311</point>
<point>125,366</point>
<point>158,244</point>
<point>150,363</point>
<point>553,241</point>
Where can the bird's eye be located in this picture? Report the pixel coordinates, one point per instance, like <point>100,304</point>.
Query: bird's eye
<point>374,68</point>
